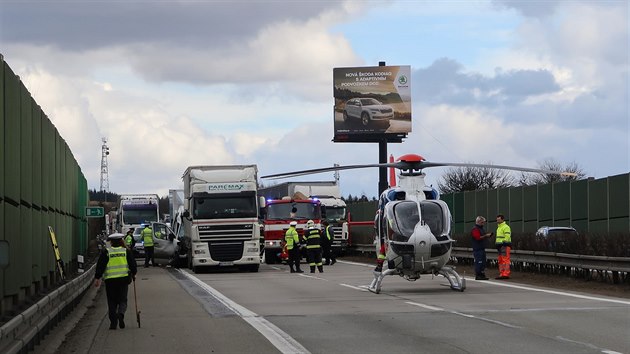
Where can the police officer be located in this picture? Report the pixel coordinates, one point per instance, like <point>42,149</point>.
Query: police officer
<point>292,239</point>
<point>147,239</point>
<point>313,247</point>
<point>327,240</point>
<point>129,242</point>
<point>117,266</point>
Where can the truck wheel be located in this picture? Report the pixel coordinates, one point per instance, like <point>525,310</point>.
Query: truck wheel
<point>270,257</point>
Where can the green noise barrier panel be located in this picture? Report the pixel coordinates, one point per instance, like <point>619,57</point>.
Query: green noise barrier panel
<point>41,185</point>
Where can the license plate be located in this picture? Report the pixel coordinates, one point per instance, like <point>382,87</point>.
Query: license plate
<point>225,264</point>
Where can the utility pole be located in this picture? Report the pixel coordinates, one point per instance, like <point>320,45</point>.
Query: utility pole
<point>104,173</point>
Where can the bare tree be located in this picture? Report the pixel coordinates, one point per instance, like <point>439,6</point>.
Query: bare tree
<point>460,179</point>
<point>529,179</point>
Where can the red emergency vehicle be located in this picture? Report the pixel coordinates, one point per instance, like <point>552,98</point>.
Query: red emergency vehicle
<point>278,214</point>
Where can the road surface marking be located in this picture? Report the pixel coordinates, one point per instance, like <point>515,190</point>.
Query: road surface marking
<point>555,292</point>
<point>425,306</point>
<point>353,287</point>
<point>279,338</point>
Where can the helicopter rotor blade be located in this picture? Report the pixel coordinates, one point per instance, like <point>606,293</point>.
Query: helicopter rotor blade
<point>414,165</point>
<point>324,169</point>
<point>513,168</point>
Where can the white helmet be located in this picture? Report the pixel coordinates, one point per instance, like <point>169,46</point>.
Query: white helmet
<point>293,223</point>
<point>310,223</point>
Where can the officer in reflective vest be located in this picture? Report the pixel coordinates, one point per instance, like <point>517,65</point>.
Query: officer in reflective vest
<point>129,242</point>
<point>327,241</point>
<point>503,244</point>
<point>117,266</point>
<point>147,239</point>
<point>292,239</point>
<point>313,247</point>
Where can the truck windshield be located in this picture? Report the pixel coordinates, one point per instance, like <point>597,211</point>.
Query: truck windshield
<point>285,211</point>
<point>335,213</point>
<point>221,206</point>
<point>135,214</point>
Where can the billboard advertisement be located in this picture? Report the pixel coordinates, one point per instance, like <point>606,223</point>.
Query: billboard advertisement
<point>372,101</point>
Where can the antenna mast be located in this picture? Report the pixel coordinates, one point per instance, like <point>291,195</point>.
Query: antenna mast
<point>104,173</point>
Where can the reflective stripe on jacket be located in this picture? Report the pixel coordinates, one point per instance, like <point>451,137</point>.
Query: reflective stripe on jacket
<point>291,237</point>
<point>117,266</point>
<point>313,239</point>
<point>504,234</point>
<point>147,237</point>
<point>328,233</point>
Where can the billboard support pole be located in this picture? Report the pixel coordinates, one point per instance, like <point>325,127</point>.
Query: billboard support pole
<point>382,171</point>
<point>382,158</point>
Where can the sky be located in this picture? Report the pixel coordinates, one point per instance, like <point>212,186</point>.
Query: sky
<point>171,84</point>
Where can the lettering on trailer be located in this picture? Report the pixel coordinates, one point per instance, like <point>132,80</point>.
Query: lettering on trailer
<point>145,201</point>
<point>226,187</point>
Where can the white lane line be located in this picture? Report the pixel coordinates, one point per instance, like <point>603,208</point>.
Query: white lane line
<point>353,287</point>
<point>433,308</point>
<point>556,292</point>
<point>357,264</point>
<point>428,307</point>
<point>279,338</point>
<point>312,276</point>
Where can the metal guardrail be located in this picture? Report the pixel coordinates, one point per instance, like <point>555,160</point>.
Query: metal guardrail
<point>597,263</point>
<point>23,331</point>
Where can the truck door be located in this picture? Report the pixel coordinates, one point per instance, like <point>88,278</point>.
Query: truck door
<point>163,239</point>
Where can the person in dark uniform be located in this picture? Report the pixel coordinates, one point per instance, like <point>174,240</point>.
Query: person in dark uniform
<point>117,266</point>
<point>479,236</point>
<point>327,240</point>
<point>313,246</point>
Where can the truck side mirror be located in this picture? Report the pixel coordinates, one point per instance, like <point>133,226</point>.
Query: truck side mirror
<point>171,236</point>
<point>262,202</point>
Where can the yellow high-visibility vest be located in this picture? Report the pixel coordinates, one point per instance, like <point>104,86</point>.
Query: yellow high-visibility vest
<point>147,237</point>
<point>117,266</point>
<point>291,237</point>
<point>504,234</point>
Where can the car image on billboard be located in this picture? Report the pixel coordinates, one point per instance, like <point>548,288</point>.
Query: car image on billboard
<point>372,100</point>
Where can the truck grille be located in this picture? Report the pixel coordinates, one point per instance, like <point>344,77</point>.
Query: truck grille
<point>226,251</point>
<point>241,232</point>
<point>336,232</point>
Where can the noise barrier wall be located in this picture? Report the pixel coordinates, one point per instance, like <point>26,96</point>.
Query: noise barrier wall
<point>41,185</point>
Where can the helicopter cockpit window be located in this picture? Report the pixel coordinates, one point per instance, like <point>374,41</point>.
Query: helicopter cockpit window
<point>432,217</point>
<point>402,219</point>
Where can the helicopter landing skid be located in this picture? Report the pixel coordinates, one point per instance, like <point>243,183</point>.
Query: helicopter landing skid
<point>456,281</point>
<point>375,286</point>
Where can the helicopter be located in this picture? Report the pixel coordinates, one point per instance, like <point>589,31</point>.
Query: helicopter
<point>412,225</point>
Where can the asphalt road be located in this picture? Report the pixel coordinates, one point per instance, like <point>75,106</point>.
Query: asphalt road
<point>333,313</point>
<point>275,311</point>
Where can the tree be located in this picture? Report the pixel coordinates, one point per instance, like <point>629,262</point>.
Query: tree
<point>460,179</point>
<point>529,179</point>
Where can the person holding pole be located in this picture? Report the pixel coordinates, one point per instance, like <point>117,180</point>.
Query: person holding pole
<point>117,266</point>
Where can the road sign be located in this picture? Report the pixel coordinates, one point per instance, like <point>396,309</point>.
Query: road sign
<point>94,212</point>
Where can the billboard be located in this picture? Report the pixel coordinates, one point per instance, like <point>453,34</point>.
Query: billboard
<point>372,103</point>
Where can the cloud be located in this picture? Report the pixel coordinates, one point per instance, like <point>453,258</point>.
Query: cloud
<point>444,82</point>
<point>530,8</point>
